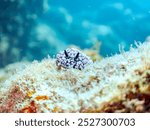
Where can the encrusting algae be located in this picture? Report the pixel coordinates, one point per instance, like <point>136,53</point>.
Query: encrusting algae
<point>120,83</point>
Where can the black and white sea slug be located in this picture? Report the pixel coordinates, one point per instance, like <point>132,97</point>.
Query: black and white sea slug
<point>72,58</point>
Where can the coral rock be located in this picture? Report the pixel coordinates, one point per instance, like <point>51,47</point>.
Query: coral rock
<point>120,83</point>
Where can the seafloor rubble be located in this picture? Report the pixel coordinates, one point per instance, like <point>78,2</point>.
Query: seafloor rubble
<point>120,83</point>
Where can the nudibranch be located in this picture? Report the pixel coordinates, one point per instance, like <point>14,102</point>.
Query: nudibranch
<point>72,58</point>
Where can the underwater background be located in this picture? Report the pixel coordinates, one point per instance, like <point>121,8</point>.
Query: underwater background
<point>32,29</point>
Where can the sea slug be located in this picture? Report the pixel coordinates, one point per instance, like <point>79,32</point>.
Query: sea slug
<point>72,58</point>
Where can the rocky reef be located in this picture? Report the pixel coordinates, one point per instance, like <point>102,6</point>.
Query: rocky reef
<point>120,83</point>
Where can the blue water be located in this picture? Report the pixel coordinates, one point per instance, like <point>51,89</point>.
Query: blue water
<point>32,29</point>
<point>128,20</point>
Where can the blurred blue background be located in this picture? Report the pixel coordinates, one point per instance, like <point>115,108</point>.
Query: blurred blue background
<point>32,29</point>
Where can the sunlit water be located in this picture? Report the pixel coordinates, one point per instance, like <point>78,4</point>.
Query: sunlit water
<point>33,29</point>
